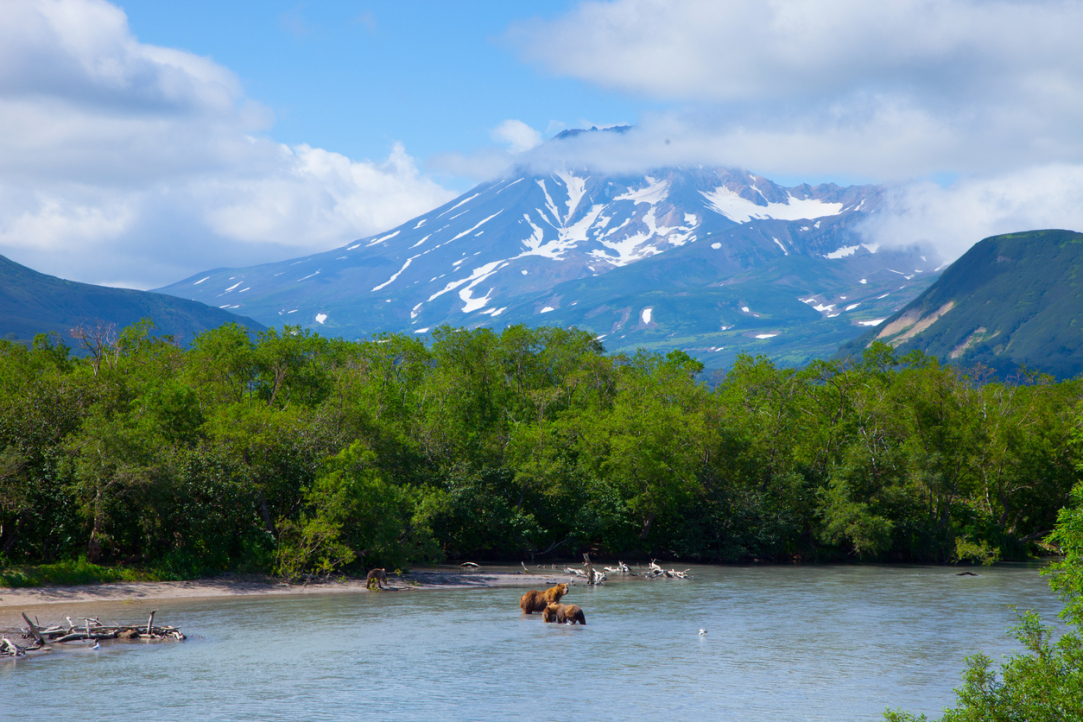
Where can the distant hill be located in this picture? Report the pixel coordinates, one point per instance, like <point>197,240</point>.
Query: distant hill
<point>1010,300</point>
<point>33,303</point>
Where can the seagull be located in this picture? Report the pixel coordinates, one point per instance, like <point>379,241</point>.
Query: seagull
<point>97,645</point>
<point>703,632</point>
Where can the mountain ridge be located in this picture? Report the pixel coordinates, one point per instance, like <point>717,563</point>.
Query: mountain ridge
<point>1012,300</point>
<point>32,302</point>
<point>494,254</point>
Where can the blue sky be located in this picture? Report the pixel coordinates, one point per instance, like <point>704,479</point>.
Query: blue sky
<point>355,77</point>
<point>142,141</point>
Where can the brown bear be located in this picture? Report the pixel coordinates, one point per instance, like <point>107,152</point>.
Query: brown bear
<point>564,614</point>
<point>379,576</point>
<point>534,601</point>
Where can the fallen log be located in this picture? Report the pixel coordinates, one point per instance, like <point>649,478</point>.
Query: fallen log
<point>94,629</point>
<point>78,636</point>
<point>34,631</point>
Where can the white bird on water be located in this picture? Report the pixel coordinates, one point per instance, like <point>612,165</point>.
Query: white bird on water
<point>97,645</point>
<point>703,632</point>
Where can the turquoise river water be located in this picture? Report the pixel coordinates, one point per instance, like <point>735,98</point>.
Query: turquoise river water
<point>802,643</point>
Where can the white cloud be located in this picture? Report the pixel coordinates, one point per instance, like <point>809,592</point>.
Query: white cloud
<point>747,49</point>
<point>954,218</point>
<point>517,136</point>
<point>488,161</point>
<point>122,162</point>
<point>877,92</point>
<point>890,88</point>
<point>897,139</point>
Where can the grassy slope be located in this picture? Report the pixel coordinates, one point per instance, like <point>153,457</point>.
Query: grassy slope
<point>1024,289</point>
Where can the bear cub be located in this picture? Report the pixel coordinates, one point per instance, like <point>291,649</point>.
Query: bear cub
<point>563,614</point>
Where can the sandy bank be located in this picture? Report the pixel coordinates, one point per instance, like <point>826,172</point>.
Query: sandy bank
<point>15,601</point>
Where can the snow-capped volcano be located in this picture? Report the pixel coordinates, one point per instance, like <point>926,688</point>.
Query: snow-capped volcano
<point>470,260</point>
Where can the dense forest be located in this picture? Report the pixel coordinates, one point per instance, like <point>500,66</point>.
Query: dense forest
<point>297,454</point>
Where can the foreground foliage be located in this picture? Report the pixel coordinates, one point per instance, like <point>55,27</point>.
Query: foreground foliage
<point>1044,684</point>
<point>303,455</point>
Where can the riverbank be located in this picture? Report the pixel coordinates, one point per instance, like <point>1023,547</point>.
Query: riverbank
<point>13,601</point>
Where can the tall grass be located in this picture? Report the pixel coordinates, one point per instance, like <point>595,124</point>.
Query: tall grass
<point>69,573</point>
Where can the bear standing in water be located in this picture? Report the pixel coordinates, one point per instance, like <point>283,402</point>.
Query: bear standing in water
<point>564,614</point>
<point>535,601</point>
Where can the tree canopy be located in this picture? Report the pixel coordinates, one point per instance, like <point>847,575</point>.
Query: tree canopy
<point>294,453</point>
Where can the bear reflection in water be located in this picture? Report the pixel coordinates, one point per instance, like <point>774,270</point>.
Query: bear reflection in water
<point>534,601</point>
<point>564,614</point>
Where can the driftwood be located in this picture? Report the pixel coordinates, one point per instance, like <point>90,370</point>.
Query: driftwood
<point>10,649</point>
<point>654,571</point>
<point>33,630</point>
<point>621,568</point>
<point>91,630</point>
<point>593,576</point>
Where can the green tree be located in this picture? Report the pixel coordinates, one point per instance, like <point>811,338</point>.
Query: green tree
<point>1044,684</point>
<point>352,512</point>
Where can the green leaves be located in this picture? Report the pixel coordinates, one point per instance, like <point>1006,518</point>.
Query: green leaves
<point>1045,684</point>
<point>352,512</point>
<point>312,455</point>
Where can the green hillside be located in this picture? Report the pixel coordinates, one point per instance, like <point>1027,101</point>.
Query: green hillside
<point>1011,300</point>
<point>33,303</point>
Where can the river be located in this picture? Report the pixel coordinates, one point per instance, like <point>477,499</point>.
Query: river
<point>833,643</point>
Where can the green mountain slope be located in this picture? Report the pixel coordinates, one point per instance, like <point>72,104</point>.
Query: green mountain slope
<point>1011,300</point>
<point>32,303</point>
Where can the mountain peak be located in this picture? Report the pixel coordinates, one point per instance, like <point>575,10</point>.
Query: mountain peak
<point>495,254</point>
<point>574,132</point>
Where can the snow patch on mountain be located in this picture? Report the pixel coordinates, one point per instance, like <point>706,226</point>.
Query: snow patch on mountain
<point>389,281</point>
<point>576,187</point>
<point>473,304</point>
<point>654,192</point>
<point>842,252</point>
<point>381,239</point>
<point>651,241</point>
<point>463,201</point>
<point>549,205</point>
<point>478,225</point>
<point>476,276</point>
<point>740,210</point>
